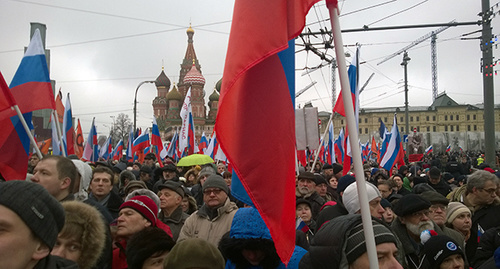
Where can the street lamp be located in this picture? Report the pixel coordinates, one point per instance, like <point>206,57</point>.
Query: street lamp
<point>406,59</point>
<point>135,100</point>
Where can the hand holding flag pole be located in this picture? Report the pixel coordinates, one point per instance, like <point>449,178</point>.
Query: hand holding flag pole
<point>353,134</point>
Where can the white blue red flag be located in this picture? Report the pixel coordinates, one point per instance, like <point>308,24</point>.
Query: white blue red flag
<point>331,147</point>
<point>339,146</point>
<point>186,135</point>
<point>56,145</point>
<point>156,144</point>
<point>428,150</point>
<point>117,151</point>
<point>213,146</point>
<point>32,90</point>
<point>203,145</point>
<point>90,151</point>
<point>106,149</point>
<point>264,68</point>
<point>129,154</point>
<point>448,148</point>
<point>140,143</point>
<point>171,151</point>
<point>68,130</point>
<point>393,148</point>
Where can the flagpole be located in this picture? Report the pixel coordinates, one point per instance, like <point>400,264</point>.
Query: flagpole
<point>353,134</point>
<point>28,131</point>
<point>63,146</point>
<point>321,142</point>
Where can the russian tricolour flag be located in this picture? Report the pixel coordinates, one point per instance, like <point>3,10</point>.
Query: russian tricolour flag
<point>448,148</point>
<point>393,148</point>
<point>428,150</point>
<point>32,90</point>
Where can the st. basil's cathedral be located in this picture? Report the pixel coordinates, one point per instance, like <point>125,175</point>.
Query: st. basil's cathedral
<point>168,102</point>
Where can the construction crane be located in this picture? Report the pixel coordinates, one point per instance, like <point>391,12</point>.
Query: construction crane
<point>432,36</point>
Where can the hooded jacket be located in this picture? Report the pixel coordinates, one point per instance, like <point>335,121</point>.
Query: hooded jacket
<point>248,231</point>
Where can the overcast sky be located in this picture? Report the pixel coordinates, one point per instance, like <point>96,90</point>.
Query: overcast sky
<point>101,50</point>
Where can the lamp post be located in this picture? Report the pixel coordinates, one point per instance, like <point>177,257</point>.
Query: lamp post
<point>406,59</point>
<point>135,100</point>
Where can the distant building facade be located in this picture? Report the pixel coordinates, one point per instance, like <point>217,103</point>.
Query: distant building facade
<point>443,123</point>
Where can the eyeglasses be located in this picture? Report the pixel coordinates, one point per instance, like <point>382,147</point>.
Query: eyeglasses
<point>489,191</point>
<point>421,213</point>
<point>209,191</point>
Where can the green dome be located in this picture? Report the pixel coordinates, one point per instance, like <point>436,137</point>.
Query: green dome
<point>218,85</point>
<point>214,96</point>
<point>174,94</point>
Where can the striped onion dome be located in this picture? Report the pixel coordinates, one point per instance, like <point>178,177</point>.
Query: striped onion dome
<point>194,76</point>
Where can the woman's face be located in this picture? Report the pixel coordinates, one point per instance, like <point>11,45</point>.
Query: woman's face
<point>388,215</point>
<point>334,182</point>
<point>462,223</point>
<point>399,182</point>
<point>303,211</point>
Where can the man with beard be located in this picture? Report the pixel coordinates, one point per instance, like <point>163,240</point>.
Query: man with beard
<point>413,218</point>
<point>306,189</point>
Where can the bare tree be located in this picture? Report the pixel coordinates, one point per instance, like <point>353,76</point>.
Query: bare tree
<point>121,128</point>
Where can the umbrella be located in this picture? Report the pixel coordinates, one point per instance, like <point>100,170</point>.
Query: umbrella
<point>195,159</point>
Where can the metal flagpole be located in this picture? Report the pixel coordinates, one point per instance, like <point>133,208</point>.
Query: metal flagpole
<point>353,134</point>
<point>63,147</point>
<point>28,132</point>
<point>321,142</point>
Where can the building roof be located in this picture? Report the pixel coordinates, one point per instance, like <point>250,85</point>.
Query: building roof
<point>214,96</point>
<point>194,76</point>
<point>218,85</point>
<point>443,100</point>
<point>174,94</point>
<point>162,80</point>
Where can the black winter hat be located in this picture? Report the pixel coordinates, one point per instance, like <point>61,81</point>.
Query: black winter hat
<point>306,175</point>
<point>344,182</point>
<point>438,248</point>
<point>337,168</point>
<point>41,212</point>
<point>409,204</point>
<point>145,243</point>
<point>319,179</point>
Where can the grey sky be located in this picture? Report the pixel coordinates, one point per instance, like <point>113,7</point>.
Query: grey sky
<point>101,50</point>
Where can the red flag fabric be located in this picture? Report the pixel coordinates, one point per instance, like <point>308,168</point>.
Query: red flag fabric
<point>6,100</point>
<point>59,107</point>
<point>250,74</point>
<point>79,141</point>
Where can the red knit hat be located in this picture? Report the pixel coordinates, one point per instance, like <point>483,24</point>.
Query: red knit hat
<point>145,206</point>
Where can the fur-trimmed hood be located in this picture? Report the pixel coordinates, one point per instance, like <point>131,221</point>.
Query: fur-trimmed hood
<point>93,237</point>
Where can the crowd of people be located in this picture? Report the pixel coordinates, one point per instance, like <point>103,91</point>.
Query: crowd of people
<point>440,212</point>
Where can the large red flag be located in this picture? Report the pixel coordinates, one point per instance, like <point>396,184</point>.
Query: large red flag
<point>6,100</point>
<point>258,90</point>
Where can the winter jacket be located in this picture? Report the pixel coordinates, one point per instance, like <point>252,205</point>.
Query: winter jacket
<point>199,224</point>
<point>248,231</point>
<point>175,221</point>
<point>55,262</point>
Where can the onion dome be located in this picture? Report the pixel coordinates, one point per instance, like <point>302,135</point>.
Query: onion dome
<point>190,30</point>
<point>194,76</point>
<point>162,80</point>
<point>174,94</point>
<point>214,96</point>
<point>218,85</point>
